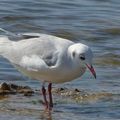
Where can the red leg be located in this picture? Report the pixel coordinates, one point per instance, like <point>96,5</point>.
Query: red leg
<point>44,96</point>
<point>50,96</point>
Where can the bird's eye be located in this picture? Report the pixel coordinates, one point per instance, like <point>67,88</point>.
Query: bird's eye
<point>82,57</point>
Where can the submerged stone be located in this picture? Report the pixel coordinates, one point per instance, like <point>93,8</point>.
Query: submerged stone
<point>6,89</point>
<point>5,86</point>
<point>81,95</point>
<point>73,94</point>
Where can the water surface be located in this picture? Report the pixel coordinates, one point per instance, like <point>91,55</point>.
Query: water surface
<point>93,22</point>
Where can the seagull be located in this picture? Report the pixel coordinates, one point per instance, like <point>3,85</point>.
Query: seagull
<point>47,58</point>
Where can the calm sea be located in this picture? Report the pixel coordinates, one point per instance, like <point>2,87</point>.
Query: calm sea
<point>93,22</point>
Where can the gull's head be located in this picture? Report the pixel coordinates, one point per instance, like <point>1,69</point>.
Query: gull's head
<point>82,56</point>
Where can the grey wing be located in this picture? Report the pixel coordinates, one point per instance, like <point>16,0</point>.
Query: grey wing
<point>51,59</point>
<point>36,63</point>
<point>33,49</point>
<point>44,48</point>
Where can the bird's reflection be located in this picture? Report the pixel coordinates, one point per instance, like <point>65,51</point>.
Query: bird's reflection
<point>46,115</point>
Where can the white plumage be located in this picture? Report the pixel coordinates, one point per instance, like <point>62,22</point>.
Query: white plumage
<point>47,58</point>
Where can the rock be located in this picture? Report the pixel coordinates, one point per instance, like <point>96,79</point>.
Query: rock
<point>5,86</point>
<point>13,86</point>
<point>76,90</point>
<point>81,95</point>
<point>25,90</point>
<point>74,94</point>
<point>27,87</point>
<point>28,93</point>
<point>61,89</point>
<point>6,89</point>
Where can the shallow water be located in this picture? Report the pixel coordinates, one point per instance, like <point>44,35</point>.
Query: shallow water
<point>95,23</point>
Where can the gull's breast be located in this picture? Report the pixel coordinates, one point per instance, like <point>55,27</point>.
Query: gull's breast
<point>53,76</point>
<point>64,76</point>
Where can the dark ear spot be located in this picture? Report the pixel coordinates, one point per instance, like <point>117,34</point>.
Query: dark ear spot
<point>82,57</point>
<point>73,54</point>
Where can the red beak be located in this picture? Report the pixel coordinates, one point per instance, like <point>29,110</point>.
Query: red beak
<point>90,67</point>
